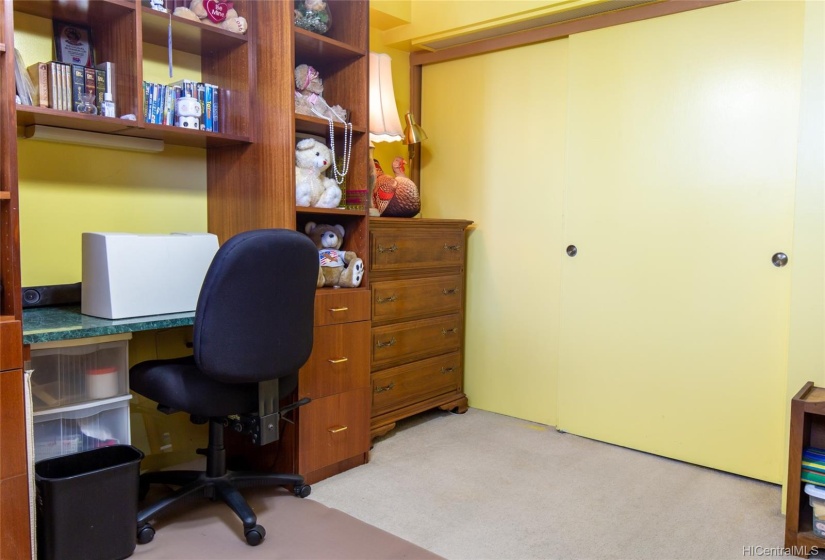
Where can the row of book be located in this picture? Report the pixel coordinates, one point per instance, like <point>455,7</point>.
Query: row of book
<point>61,86</point>
<point>160,103</point>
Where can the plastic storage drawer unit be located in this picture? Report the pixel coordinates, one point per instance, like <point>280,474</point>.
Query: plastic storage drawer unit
<point>81,370</point>
<point>81,427</point>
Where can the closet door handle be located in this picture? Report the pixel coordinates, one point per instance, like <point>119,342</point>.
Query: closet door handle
<point>387,344</point>
<point>572,250</point>
<point>779,260</point>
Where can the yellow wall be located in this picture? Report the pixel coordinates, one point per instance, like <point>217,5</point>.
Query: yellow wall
<point>481,163</point>
<point>68,189</point>
<point>501,162</point>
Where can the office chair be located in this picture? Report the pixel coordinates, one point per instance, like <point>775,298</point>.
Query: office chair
<point>252,332</point>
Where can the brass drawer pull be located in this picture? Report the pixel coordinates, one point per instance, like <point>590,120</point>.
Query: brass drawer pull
<point>338,361</point>
<point>337,429</point>
<point>390,299</point>
<point>387,344</point>
<point>338,309</point>
<point>452,247</point>
<point>449,331</point>
<point>391,249</point>
<point>446,370</point>
<point>386,388</point>
<point>449,291</point>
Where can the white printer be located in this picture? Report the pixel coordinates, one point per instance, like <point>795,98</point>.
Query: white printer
<point>134,275</point>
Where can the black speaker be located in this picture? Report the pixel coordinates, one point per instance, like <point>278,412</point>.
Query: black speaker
<point>61,294</point>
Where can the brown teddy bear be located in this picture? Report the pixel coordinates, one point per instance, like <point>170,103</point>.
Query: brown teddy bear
<point>339,269</point>
<point>309,90</point>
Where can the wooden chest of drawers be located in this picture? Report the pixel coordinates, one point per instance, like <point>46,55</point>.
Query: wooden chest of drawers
<point>417,313</point>
<point>333,429</point>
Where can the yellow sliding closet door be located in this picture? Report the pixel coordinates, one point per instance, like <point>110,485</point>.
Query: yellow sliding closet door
<point>681,169</point>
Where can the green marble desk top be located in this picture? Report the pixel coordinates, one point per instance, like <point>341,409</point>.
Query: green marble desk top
<point>47,324</point>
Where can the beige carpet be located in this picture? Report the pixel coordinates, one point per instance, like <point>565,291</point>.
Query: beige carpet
<point>485,486</point>
<point>295,529</point>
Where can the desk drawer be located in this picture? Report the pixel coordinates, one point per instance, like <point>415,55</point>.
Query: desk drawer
<point>395,250</point>
<point>339,360</point>
<point>343,305</point>
<point>406,299</point>
<point>413,340</point>
<point>411,383</point>
<point>333,429</point>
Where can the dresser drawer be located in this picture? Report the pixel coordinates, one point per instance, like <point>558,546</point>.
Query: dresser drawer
<point>343,305</point>
<point>339,360</point>
<point>411,383</point>
<point>413,340</point>
<point>395,250</point>
<point>407,299</point>
<point>333,429</point>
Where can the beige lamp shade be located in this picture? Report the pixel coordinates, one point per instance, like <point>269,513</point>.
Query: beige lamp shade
<point>385,126</point>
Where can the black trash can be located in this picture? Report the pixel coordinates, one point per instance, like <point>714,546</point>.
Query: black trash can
<point>87,504</point>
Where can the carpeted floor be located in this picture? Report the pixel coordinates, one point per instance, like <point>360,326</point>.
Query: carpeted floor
<point>295,529</point>
<point>485,486</point>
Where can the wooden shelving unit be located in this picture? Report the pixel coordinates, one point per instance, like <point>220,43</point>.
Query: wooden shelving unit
<point>250,185</point>
<point>807,430</point>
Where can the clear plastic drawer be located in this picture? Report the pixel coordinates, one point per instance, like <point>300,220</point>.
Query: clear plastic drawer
<point>81,428</point>
<point>81,370</point>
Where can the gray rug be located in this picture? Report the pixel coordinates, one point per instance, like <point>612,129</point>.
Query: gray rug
<point>486,486</point>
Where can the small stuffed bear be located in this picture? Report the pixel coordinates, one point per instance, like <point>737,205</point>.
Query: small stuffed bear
<point>223,15</point>
<point>309,89</point>
<point>312,187</point>
<point>339,269</point>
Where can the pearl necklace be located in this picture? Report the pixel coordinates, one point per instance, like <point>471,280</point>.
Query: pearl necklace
<point>340,175</point>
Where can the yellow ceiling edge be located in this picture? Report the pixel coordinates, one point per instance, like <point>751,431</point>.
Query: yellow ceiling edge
<point>416,36</point>
<point>386,14</point>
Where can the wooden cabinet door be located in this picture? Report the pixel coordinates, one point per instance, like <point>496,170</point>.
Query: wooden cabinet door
<point>682,164</point>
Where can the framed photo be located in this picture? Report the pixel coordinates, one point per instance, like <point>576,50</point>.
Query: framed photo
<point>73,44</point>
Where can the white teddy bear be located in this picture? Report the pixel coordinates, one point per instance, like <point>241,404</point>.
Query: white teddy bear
<point>312,187</point>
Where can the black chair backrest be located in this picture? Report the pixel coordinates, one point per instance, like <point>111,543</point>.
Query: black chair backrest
<point>254,316</point>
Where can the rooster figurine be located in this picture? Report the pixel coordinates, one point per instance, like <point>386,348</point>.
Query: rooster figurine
<point>406,203</point>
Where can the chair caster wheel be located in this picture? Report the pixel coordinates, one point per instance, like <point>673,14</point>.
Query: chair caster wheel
<point>302,490</point>
<point>255,535</point>
<point>145,534</point>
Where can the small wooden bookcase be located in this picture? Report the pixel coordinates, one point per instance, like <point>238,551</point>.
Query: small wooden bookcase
<point>807,430</point>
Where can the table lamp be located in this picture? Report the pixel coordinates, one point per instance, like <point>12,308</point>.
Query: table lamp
<point>385,126</point>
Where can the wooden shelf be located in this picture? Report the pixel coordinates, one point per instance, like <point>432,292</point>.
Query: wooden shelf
<point>5,195</point>
<point>331,211</point>
<point>28,115</point>
<point>187,35</point>
<point>312,48</point>
<point>317,125</point>
<point>70,11</point>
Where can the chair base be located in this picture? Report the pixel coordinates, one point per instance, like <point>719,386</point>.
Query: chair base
<point>215,483</point>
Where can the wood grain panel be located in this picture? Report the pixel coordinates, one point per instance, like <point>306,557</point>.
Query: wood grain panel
<point>341,306</point>
<point>402,342</point>
<point>14,518</point>
<point>12,425</point>
<point>393,250</point>
<point>11,343</point>
<point>339,362</point>
<point>421,297</point>
<point>333,429</point>
<point>403,385</point>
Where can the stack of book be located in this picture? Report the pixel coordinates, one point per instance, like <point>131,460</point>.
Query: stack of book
<point>813,466</point>
<point>159,102</point>
<point>58,85</point>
